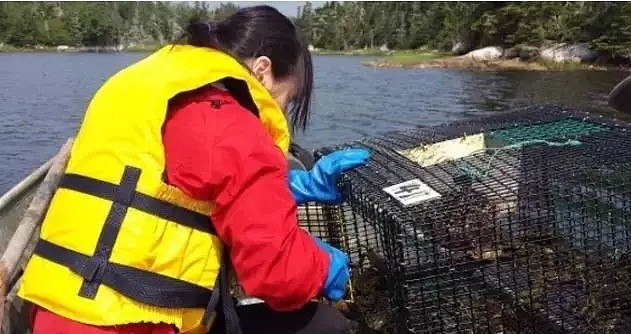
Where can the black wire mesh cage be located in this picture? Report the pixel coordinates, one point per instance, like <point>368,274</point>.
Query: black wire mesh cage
<point>368,301</point>
<point>515,223</point>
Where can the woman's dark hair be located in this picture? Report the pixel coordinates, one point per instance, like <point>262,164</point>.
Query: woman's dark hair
<point>262,31</point>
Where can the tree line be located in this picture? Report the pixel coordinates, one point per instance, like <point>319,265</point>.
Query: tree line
<point>31,24</point>
<point>606,26</point>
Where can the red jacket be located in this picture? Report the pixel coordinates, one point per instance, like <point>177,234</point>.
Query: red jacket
<point>218,151</point>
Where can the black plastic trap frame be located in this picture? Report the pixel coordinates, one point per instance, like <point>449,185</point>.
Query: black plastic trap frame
<point>515,223</point>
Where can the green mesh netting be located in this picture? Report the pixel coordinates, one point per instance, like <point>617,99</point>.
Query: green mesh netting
<point>564,129</point>
<point>557,133</point>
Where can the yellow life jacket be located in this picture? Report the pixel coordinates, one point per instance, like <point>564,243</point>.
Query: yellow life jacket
<point>118,245</point>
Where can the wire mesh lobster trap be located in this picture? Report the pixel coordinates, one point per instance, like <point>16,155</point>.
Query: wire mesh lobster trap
<point>515,223</point>
<point>368,299</point>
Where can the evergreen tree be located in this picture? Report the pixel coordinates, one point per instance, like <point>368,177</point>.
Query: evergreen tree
<point>333,25</point>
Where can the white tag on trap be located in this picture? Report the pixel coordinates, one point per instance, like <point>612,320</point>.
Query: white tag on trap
<point>412,192</point>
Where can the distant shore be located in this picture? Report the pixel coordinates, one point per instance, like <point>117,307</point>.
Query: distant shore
<point>79,49</point>
<point>410,59</point>
<point>355,52</point>
<point>435,59</point>
<point>150,48</point>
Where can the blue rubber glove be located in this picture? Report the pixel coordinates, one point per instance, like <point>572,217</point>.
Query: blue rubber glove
<point>320,183</point>
<point>339,272</point>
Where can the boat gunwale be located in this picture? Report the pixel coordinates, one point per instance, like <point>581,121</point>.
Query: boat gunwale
<point>21,243</point>
<point>25,184</point>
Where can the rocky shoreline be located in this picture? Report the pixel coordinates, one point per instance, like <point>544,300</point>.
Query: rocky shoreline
<point>491,65</point>
<point>550,57</point>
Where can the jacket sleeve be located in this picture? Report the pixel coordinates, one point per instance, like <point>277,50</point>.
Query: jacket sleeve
<point>224,155</point>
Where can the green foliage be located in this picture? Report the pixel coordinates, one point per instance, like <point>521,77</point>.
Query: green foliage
<point>441,25</point>
<point>332,26</point>
<point>129,23</point>
<point>414,57</point>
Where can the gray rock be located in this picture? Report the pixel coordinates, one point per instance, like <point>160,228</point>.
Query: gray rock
<point>485,54</point>
<point>562,52</point>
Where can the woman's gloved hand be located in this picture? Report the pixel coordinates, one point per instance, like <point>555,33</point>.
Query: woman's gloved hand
<point>339,272</point>
<point>320,183</point>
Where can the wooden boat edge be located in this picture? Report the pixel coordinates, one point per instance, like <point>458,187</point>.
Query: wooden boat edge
<point>21,243</point>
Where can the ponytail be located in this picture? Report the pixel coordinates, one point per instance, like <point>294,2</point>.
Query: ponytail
<point>261,31</point>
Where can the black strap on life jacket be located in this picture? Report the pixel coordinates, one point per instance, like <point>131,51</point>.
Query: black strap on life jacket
<point>144,286</point>
<point>221,295</point>
<point>127,194</point>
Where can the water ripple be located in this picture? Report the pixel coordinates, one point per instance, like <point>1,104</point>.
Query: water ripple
<point>43,97</point>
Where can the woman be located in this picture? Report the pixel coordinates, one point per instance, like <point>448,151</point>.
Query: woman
<point>178,155</point>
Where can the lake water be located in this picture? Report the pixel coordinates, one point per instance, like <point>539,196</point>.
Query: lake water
<point>43,97</point>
